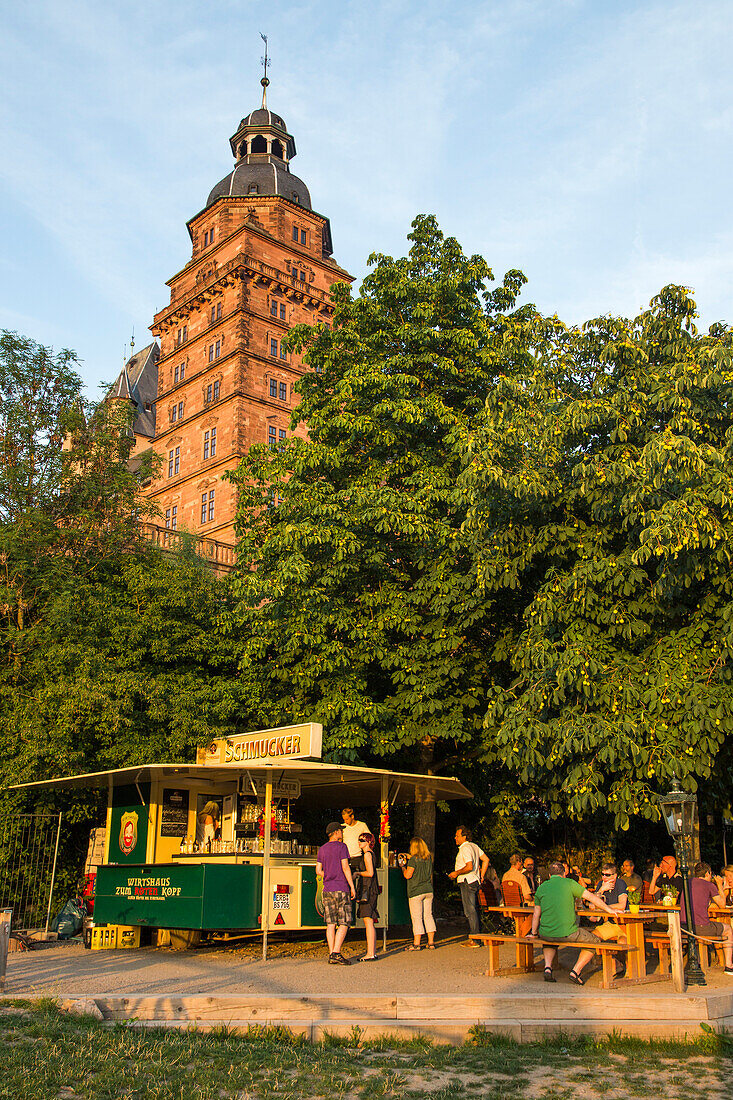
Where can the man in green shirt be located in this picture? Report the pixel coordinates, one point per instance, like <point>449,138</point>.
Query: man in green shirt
<point>554,918</point>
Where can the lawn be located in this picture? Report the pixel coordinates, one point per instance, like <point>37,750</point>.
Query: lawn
<point>46,1054</point>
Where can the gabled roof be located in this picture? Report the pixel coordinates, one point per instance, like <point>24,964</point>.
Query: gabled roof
<point>138,382</point>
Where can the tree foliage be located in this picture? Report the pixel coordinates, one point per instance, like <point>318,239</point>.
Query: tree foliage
<point>356,600</point>
<point>601,489</point>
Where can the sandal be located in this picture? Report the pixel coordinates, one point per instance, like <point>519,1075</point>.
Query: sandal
<point>414,947</point>
<point>548,975</point>
<point>431,947</point>
<point>575,978</point>
<point>369,958</point>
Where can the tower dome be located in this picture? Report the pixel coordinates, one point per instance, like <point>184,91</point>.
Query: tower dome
<point>262,149</point>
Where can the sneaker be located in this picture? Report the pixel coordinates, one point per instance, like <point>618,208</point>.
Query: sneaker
<point>729,970</point>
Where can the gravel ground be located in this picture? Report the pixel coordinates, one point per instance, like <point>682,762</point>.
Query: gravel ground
<point>294,968</point>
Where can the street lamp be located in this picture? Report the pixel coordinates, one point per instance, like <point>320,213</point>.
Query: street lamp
<point>679,811</point>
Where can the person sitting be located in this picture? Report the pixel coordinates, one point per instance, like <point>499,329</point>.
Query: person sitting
<point>554,918</point>
<point>630,877</point>
<point>530,873</point>
<point>614,892</point>
<point>703,893</point>
<point>725,883</point>
<point>576,874</point>
<point>516,875</point>
<point>665,876</point>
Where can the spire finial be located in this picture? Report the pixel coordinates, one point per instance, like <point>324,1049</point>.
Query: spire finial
<point>264,82</point>
<point>132,340</point>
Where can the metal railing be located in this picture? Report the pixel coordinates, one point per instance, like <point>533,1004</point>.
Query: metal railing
<point>29,848</point>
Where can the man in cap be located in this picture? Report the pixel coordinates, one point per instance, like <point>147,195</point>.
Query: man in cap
<point>338,890</point>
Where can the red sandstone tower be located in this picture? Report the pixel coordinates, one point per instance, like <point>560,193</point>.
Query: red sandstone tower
<point>261,262</point>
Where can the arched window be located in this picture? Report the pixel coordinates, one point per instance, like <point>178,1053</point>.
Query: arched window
<point>277,149</point>
<point>242,150</point>
<point>259,145</point>
<point>252,189</point>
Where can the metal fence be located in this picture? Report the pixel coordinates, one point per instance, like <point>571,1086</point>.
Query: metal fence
<point>29,847</point>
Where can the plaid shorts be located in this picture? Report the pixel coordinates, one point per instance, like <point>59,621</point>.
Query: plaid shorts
<point>336,908</point>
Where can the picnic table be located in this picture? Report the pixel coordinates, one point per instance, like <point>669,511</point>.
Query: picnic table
<point>631,924</point>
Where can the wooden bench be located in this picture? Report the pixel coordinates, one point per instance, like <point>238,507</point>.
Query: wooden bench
<point>605,948</point>
<point>660,940</point>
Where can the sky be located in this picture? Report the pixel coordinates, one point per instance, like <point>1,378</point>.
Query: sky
<point>585,142</point>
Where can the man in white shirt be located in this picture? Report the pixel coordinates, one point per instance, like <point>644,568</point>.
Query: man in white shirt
<point>471,866</point>
<point>352,830</point>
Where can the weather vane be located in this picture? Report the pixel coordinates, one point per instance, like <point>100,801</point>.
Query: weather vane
<point>265,62</point>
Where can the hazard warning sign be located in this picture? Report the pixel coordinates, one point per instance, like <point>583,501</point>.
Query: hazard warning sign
<point>279,919</point>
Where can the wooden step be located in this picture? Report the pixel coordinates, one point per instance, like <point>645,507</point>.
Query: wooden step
<point>566,1004</point>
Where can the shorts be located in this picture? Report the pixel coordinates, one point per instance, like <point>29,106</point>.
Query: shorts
<point>337,908</point>
<point>581,935</point>
<point>713,928</point>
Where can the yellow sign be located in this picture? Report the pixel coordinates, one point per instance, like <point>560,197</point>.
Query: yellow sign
<point>266,746</point>
<point>128,832</point>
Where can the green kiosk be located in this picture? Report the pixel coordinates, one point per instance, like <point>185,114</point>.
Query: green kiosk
<point>255,869</point>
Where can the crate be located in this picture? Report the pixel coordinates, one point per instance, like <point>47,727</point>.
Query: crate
<point>104,937</point>
<point>128,935</point>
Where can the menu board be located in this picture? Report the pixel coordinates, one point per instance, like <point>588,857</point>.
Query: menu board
<point>174,815</point>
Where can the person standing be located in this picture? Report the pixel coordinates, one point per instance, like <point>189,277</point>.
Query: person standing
<point>365,870</point>
<point>352,830</point>
<point>418,871</point>
<point>332,865</point>
<point>471,866</point>
<point>554,918</point>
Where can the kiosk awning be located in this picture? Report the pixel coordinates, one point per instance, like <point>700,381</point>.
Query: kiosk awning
<point>324,784</point>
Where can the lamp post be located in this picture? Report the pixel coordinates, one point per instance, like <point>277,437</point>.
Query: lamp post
<point>679,811</point>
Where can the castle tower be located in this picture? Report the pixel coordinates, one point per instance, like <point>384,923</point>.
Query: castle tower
<point>260,263</point>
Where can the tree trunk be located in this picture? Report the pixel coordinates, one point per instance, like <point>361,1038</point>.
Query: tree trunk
<point>424,819</point>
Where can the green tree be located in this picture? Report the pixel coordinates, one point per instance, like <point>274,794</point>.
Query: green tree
<point>38,391</point>
<point>600,488</point>
<point>357,601</point>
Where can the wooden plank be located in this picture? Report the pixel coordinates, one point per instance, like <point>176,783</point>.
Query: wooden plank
<point>675,951</point>
<point>256,1009</point>
<point>5,919</point>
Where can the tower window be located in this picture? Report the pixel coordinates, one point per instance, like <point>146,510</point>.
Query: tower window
<point>212,392</point>
<point>303,236</point>
<point>277,149</point>
<point>179,373</point>
<point>282,311</point>
<point>273,387</point>
<point>272,437</point>
<point>302,275</point>
<point>210,443</point>
<point>295,197</point>
<point>283,391</point>
<point>253,189</point>
<point>216,313</point>
<point>182,335</point>
<point>180,410</point>
<point>295,232</point>
<point>273,308</point>
<point>273,348</point>
<point>283,353</point>
<point>283,434</point>
<point>259,145</point>
<point>174,414</point>
<point>174,461</point>
<point>171,517</point>
<point>207,506</point>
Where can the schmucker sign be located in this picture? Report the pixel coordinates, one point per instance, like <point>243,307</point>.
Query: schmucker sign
<point>302,742</point>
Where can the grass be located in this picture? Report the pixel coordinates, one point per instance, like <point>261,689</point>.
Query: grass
<point>46,1054</point>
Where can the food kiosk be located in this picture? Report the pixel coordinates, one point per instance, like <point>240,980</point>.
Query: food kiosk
<point>259,871</point>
